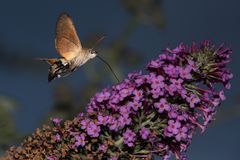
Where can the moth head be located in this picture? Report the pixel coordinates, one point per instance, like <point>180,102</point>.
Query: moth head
<point>93,53</point>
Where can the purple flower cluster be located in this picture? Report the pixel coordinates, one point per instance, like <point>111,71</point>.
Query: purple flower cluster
<point>155,113</point>
<point>164,107</point>
<point>129,137</point>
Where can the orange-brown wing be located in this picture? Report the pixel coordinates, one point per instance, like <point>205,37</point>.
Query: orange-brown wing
<point>50,61</point>
<point>66,41</point>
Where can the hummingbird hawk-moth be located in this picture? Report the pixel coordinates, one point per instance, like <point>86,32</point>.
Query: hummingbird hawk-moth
<point>68,45</point>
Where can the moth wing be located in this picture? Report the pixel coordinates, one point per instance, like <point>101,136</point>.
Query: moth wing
<point>67,42</point>
<point>50,61</point>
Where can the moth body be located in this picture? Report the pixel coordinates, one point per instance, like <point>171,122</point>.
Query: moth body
<point>63,67</point>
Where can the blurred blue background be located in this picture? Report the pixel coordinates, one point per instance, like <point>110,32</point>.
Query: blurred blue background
<point>136,32</point>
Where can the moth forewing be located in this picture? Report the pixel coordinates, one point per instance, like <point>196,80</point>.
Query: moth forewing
<point>67,41</point>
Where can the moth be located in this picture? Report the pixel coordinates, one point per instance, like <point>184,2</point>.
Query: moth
<point>72,54</point>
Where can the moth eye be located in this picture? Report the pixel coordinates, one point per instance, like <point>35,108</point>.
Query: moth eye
<point>58,76</point>
<point>93,52</point>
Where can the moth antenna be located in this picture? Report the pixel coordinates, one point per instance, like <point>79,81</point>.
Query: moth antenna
<point>108,67</point>
<point>98,41</point>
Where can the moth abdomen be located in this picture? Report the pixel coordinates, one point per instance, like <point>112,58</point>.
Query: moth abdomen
<point>58,69</point>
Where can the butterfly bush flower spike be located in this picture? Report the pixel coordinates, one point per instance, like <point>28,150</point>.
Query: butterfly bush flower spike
<point>150,113</point>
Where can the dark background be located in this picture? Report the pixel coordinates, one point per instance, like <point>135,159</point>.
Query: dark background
<point>136,32</point>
